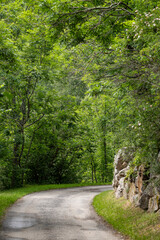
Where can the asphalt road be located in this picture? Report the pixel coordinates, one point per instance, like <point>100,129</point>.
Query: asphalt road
<point>57,215</point>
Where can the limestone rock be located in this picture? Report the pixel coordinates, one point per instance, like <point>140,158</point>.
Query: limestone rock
<point>136,200</point>
<point>144,201</point>
<point>122,159</point>
<point>132,191</point>
<point>121,164</point>
<point>119,190</point>
<point>158,159</point>
<point>154,204</point>
<point>142,189</point>
<point>139,182</point>
<point>126,190</point>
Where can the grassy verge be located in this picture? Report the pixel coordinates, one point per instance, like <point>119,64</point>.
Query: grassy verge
<point>131,221</point>
<point>8,197</point>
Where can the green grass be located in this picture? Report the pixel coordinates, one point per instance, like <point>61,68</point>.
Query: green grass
<point>8,197</point>
<point>130,221</point>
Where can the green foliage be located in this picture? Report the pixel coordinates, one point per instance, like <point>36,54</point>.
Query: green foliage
<point>79,80</point>
<point>104,19</point>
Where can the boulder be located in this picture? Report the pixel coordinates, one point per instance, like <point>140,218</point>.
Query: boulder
<point>121,166</point>
<point>144,201</point>
<point>132,191</point>
<point>120,188</point>
<point>139,180</point>
<point>154,204</point>
<point>136,200</point>
<point>122,159</point>
<point>126,190</point>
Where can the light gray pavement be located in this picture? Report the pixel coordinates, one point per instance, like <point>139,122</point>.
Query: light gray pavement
<point>57,215</point>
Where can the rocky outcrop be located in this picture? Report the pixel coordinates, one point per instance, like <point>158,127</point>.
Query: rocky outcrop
<point>134,183</point>
<point>121,166</point>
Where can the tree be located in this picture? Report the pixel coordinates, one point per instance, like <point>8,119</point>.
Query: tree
<point>78,21</point>
<point>79,80</point>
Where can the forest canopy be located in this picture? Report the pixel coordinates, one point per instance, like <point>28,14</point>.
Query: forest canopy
<point>78,80</point>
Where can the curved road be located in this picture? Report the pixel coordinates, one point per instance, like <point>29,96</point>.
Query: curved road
<point>57,215</point>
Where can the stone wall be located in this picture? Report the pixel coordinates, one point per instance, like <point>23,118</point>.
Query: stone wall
<point>135,183</point>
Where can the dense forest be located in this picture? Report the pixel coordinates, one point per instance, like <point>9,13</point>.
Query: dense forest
<point>79,79</point>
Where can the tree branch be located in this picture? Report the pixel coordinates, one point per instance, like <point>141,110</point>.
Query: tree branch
<point>92,9</point>
<point>22,148</point>
<point>135,76</point>
<point>35,121</point>
<point>29,149</point>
